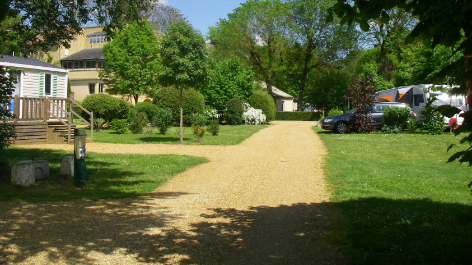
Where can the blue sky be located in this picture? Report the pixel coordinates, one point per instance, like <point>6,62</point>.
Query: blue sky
<point>204,13</point>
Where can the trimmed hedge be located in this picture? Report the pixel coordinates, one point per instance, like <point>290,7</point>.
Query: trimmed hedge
<point>106,107</point>
<point>168,98</point>
<point>297,116</point>
<point>262,100</point>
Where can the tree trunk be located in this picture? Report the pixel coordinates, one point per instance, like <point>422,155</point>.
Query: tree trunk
<point>181,116</point>
<point>136,98</point>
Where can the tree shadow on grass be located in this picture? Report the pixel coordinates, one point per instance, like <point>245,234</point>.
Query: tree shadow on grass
<point>104,178</point>
<point>151,139</point>
<point>378,231</point>
<point>139,229</point>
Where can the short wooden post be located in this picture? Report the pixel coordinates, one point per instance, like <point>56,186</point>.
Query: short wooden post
<point>46,110</point>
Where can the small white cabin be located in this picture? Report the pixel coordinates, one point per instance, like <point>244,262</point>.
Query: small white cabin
<point>37,79</point>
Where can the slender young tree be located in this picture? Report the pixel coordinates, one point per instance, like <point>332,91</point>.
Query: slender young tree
<point>184,60</point>
<point>131,61</point>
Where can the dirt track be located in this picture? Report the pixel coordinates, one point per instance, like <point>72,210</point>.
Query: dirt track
<point>260,202</point>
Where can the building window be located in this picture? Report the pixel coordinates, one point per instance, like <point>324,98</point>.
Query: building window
<point>47,85</point>
<point>91,88</point>
<point>79,65</point>
<point>100,64</point>
<point>101,88</point>
<point>90,64</point>
<point>67,65</point>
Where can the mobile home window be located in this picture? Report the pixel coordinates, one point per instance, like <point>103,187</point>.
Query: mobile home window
<point>91,88</point>
<point>47,85</point>
<point>418,99</point>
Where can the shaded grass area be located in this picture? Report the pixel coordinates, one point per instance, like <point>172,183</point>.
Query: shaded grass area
<point>399,201</point>
<point>228,135</point>
<point>111,176</point>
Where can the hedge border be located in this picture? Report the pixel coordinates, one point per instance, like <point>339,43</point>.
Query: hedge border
<point>297,116</point>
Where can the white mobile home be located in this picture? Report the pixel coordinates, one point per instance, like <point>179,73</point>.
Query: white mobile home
<point>37,79</point>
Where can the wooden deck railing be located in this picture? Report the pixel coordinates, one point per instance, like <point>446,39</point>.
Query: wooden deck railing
<point>47,109</point>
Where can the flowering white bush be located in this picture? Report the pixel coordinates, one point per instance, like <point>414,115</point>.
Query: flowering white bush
<point>253,116</point>
<point>212,114</point>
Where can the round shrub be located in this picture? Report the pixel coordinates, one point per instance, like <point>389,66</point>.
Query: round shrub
<point>334,111</point>
<point>163,120</point>
<point>148,108</point>
<point>395,119</point>
<point>168,98</point>
<point>106,107</point>
<point>234,111</point>
<point>119,126</point>
<point>262,100</point>
<point>137,124</point>
<point>198,119</point>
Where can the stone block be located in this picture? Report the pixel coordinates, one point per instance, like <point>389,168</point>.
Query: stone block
<point>22,173</point>
<point>67,166</point>
<point>41,168</point>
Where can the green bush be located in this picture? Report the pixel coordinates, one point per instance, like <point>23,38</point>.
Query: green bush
<point>262,100</point>
<point>198,119</point>
<point>168,98</point>
<point>234,111</point>
<point>198,132</point>
<point>137,124</point>
<point>132,113</point>
<point>148,108</point>
<point>97,124</point>
<point>106,107</point>
<point>395,119</point>
<point>163,120</point>
<point>297,116</point>
<point>335,111</point>
<point>214,127</point>
<point>433,121</point>
<point>412,126</point>
<point>119,125</point>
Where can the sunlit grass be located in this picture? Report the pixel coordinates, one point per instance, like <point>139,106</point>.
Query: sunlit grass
<point>399,200</point>
<point>228,135</point>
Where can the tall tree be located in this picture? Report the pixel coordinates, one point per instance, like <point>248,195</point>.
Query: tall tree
<point>314,41</point>
<point>228,79</point>
<point>160,16</point>
<point>184,60</point>
<point>131,61</point>
<point>257,32</point>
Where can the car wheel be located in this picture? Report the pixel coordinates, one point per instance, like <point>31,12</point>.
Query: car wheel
<point>340,127</point>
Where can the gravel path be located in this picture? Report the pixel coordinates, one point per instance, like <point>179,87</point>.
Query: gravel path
<point>260,202</point>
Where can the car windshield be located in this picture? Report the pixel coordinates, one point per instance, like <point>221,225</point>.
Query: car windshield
<point>351,111</point>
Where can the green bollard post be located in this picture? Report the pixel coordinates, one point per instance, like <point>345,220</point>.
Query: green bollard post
<point>80,171</point>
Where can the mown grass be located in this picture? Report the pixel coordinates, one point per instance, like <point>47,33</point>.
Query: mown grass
<point>228,135</point>
<point>399,200</point>
<point>111,176</point>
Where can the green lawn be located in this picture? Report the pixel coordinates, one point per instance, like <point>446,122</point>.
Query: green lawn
<point>229,135</point>
<point>111,176</point>
<point>398,200</point>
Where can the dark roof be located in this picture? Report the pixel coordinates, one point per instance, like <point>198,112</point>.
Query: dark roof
<point>26,61</point>
<point>86,54</point>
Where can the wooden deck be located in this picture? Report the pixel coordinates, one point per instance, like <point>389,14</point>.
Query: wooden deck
<point>45,120</point>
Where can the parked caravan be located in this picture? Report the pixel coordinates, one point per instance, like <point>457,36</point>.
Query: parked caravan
<point>417,96</point>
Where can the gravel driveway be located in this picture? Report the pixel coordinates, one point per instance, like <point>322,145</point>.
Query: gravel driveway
<point>260,202</point>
